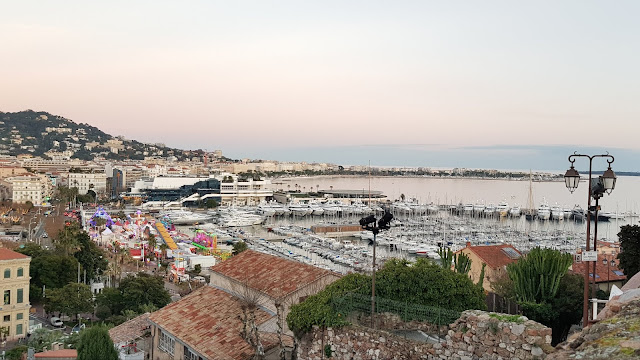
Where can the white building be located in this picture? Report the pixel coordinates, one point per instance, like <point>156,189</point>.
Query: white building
<point>29,187</point>
<point>88,181</point>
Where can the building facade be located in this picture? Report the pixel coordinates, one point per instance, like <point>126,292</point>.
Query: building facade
<point>30,187</point>
<point>14,285</point>
<point>96,182</point>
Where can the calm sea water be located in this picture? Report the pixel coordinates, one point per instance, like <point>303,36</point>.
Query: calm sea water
<point>624,198</point>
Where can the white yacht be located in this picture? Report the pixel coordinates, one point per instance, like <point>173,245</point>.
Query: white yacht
<point>299,209</point>
<point>502,209</point>
<point>316,209</point>
<point>265,209</point>
<point>184,217</point>
<point>489,210</point>
<point>556,212</point>
<point>478,208</point>
<point>544,212</point>
<point>467,209</point>
<point>515,211</point>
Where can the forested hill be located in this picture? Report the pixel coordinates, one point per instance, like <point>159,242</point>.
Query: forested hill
<point>38,132</point>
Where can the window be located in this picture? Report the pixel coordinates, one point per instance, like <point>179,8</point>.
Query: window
<point>19,296</point>
<point>7,297</point>
<point>166,343</point>
<point>6,318</point>
<point>19,316</point>
<point>20,272</point>
<point>7,273</point>
<point>618,272</point>
<point>190,355</point>
<point>19,329</point>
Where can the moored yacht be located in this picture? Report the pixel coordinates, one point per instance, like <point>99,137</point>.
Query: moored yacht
<point>544,212</point>
<point>556,212</point>
<point>502,209</point>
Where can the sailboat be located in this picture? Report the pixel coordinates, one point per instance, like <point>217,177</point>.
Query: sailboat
<point>529,212</point>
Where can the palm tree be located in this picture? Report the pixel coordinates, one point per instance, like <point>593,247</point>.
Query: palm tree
<point>163,248</point>
<point>152,246</point>
<point>317,188</point>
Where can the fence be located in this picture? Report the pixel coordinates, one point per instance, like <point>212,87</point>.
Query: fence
<point>407,311</point>
<point>500,304</point>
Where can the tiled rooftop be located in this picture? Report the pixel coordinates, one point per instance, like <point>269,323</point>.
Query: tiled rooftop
<point>6,254</point>
<point>207,320</point>
<point>493,255</point>
<point>272,275</point>
<point>601,271</point>
<point>58,354</point>
<point>130,330</point>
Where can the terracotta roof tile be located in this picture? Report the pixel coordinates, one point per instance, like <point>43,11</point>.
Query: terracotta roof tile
<point>601,271</point>
<point>493,255</point>
<point>6,254</point>
<point>208,322</point>
<point>64,353</point>
<point>130,330</point>
<point>272,275</point>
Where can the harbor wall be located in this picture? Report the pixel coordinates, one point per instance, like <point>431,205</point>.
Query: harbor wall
<point>475,335</point>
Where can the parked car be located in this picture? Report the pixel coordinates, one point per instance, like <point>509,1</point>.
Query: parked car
<point>55,321</point>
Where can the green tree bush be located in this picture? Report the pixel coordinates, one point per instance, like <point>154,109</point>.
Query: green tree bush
<point>629,237</point>
<point>95,344</point>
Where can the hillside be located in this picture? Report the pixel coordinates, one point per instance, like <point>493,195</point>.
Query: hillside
<point>42,134</point>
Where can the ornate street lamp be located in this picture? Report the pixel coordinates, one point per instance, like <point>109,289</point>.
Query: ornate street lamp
<point>605,183</point>
<point>572,178</point>
<point>608,180</point>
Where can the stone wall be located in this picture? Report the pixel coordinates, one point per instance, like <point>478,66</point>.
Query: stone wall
<point>476,335</point>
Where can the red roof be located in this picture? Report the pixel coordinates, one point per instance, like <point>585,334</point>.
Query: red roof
<point>208,322</point>
<point>494,255</point>
<point>601,271</point>
<point>6,254</point>
<point>54,354</point>
<point>272,275</point>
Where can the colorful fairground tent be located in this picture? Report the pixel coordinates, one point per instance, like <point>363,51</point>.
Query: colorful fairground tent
<point>101,213</point>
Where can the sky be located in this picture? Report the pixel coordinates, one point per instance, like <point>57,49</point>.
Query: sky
<point>422,83</point>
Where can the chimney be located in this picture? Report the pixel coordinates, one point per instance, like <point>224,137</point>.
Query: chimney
<point>468,243</point>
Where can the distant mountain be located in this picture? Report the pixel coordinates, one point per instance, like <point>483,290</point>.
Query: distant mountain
<point>42,134</point>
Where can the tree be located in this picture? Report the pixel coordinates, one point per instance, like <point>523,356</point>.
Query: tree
<point>209,204</point>
<point>567,306</point>
<point>92,259</point>
<point>544,290</point>
<point>239,247</point>
<point>143,289</point>
<point>72,299</point>
<point>53,271</point>
<point>629,237</point>
<point>67,239</point>
<point>152,242</point>
<point>536,276</point>
<point>426,283</point>
<point>95,343</point>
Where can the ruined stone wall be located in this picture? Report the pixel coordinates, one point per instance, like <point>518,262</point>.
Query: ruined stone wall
<point>476,335</point>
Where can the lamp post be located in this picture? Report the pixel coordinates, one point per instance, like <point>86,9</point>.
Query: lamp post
<point>369,223</point>
<point>605,183</point>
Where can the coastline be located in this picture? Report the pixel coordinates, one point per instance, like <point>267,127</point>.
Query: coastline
<point>365,176</point>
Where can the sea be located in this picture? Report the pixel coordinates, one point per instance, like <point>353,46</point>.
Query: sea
<point>625,198</point>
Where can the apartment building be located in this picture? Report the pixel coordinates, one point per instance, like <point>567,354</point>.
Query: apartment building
<point>14,311</point>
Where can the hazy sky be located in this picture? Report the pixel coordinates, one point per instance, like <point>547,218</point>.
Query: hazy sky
<point>260,78</point>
